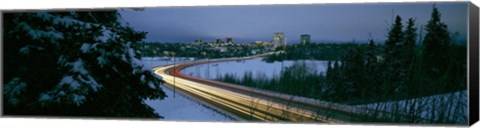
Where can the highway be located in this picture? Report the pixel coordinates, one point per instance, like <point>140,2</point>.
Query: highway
<point>252,104</point>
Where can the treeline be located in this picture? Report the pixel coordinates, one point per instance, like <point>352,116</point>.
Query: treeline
<point>402,69</point>
<point>200,50</point>
<point>398,69</point>
<point>369,72</point>
<point>313,51</point>
<point>301,79</point>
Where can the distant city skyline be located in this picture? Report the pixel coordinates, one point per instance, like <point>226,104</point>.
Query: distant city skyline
<point>324,22</point>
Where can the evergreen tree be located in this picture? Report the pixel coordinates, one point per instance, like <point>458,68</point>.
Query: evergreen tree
<point>436,42</point>
<point>354,73</point>
<point>371,58</point>
<point>410,34</point>
<point>76,63</point>
<point>393,59</point>
<point>409,47</point>
<point>410,39</point>
<point>371,75</point>
<point>329,70</point>
<point>394,41</point>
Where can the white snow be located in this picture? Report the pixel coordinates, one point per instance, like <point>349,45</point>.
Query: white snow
<point>61,60</point>
<point>68,80</point>
<point>15,86</point>
<point>61,93</point>
<point>78,99</point>
<point>105,35</point>
<point>101,61</point>
<point>25,50</point>
<point>77,77</point>
<point>451,106</point>
<point>89,81</point>
<point>151,85</point>
<point>134,61</point>
<point>12,89</point>
<point>180,107</point>
<point>142,78</point>
<point>67,21</point>
<point>44,97</point>
<point>85,47</point>
<point>256,66</point>
<point>78,67</point>
<point>37,34</point>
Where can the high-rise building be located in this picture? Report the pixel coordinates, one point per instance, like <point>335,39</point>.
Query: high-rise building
<point>305,39</point>
<point>229,40</point>
<point>199,41</point>
<point>278,39</point>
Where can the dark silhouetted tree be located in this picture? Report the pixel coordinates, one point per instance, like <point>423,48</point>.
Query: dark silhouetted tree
<point>436,42</point>
<point>394,41</point>
<point>410,34</point>
<point>408,47</point>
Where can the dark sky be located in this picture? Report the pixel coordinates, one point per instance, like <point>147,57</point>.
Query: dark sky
<point>324,22</point>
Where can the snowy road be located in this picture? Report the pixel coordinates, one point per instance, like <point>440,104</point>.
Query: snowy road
<point>253,104</point>
<point>183,108</point>
<point>180,107</point>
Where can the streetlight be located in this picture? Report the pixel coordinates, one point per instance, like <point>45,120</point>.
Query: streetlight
<point>208,66</point>
<point>174,70</point>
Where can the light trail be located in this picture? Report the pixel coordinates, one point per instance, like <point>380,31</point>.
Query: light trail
<point>251,104</point>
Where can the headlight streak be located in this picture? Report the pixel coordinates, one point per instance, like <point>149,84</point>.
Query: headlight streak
<point>248,106</point>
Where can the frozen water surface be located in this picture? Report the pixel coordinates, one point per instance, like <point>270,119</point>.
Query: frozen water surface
<point>255,66</point>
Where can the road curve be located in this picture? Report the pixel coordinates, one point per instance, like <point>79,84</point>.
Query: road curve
<point>253,104</point>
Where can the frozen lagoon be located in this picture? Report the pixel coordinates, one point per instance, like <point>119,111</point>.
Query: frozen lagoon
<point>255,66</point>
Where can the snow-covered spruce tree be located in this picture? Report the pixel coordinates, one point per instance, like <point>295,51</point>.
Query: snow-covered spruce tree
<point>76,63</point>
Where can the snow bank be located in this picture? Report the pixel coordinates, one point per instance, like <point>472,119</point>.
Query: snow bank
<point>449,107</point>
<point>180,107</point>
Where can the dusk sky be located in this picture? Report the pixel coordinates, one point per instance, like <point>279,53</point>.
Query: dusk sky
<point>324,22</point>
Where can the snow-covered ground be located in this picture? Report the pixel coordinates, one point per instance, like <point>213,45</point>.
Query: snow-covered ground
<point>239,68</point>
<point>180,107</point>
<point>449,107</point>
<point>183,108</point>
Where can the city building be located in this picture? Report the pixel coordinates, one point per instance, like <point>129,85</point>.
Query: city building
<point>218,42</point>
<point>229,40</point>
<point>262,43</point>
<point>305,39</point>
<point>198,42</point>
<point>278,39</point>
<point>220,49</point>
